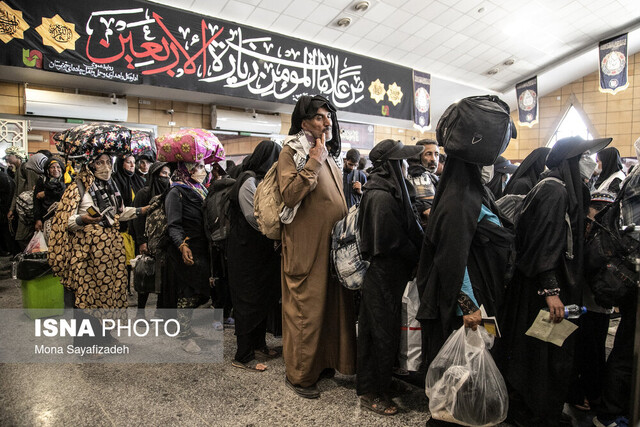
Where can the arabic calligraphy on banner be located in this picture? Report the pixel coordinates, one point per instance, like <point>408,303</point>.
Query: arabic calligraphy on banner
<point>140,42</point>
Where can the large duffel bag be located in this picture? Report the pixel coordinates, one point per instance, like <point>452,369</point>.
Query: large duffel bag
<point>476,129</point>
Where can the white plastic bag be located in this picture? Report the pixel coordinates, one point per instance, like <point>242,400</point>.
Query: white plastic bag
<point>463,383</point>
<point>36,244</point>
<point>410,355</point>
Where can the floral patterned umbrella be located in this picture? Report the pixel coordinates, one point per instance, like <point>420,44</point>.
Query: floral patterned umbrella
<point>190,145</point>
<point>86,142</point>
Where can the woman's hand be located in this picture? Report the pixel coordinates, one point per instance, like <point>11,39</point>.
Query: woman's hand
<point>40,195</point>
<point>556,308</point>
<point>88,219</point>
<point>472,320</point>
<point>38,225</point>
<point>187,256</point>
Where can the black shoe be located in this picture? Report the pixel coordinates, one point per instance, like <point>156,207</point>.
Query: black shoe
<point>310,392</point>
<point>327,374</point>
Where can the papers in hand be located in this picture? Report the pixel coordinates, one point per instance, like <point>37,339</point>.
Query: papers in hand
<point>107,213</point>
<point>490,323</point>
<point>555,333</point>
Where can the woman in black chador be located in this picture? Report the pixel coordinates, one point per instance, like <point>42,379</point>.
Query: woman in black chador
<point>528,173</point>
<point>547,277</point>
<point>391,238</point>
<point>253,262</point>
<point>188,251</point>
<point>611,173</point>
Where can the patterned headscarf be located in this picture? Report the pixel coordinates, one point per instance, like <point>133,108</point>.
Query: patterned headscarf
<point>182,178</point>
<point>16,151</point>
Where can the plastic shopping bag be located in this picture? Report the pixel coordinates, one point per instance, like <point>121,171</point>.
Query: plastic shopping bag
<point>463,383</point>
<point>36,244</point>
<point>410,354</point>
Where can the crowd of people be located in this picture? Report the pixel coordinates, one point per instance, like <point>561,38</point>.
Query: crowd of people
<point>419,219</point>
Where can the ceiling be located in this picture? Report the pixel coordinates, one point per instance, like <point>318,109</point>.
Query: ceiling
<point>459,40</point>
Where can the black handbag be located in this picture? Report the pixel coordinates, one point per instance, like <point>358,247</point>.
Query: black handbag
<point>608,252</point>
<point>32,266</point>
<point>476,129</point>
<point>144,275</point>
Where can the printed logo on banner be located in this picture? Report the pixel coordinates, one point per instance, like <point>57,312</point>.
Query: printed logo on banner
<point>32,58</point>
<point>613,65</point>
<point>421,101</point>
<point>394,93</point>
<point>376,89</point>
<point>58,33</point>
<point>12,26</point>
<point>527,94</point>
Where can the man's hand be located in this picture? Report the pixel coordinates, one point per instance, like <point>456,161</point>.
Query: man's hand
<point>187,256</point>
<point>472,320</point>
<point>10,215</point>
<point>38,225</point>
<point>357,187</point>
<point>40,195</point>
<point>556,308</point>
<point>319,150</point>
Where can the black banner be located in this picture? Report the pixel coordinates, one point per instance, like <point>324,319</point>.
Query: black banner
<point>613,67</point>
<point>421,101</point>
<point>141,42</point>
<point>527,95</point>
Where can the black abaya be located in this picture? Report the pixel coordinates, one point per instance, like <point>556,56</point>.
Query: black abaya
<point>538,372</point>
<point>253,262</point>
<point>528,173</point>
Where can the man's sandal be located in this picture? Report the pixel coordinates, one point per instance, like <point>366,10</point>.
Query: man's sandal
<point>266,353</point>
<point>378,405</point>
<point>254,367</point>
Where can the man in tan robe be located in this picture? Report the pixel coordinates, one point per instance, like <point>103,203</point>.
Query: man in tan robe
<point>318,316</point>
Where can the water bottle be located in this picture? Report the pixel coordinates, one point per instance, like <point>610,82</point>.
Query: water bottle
<point>572,311</point>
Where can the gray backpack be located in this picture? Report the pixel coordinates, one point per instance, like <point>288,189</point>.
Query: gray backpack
<point>346,255</point>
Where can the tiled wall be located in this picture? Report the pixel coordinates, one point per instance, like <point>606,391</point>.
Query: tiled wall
<point>616,116</point>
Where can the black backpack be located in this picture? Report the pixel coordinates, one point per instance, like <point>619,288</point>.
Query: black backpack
<point>476,129</point>
<point>216,211</point>
<point>609,254</point>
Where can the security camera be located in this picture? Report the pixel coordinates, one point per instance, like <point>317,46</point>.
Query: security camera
<point>114,100</point>
<point>254,115</point>
<point>170,111</point>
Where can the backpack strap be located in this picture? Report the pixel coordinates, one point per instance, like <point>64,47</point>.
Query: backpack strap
<point>569,253</point>
<point>81,189</point>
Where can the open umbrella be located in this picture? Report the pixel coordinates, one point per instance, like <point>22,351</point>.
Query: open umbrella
<point>190,145</point>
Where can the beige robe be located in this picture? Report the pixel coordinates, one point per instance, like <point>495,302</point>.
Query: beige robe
<point>318,315</point>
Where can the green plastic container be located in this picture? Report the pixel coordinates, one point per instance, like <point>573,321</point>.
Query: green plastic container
<point>43,297</point>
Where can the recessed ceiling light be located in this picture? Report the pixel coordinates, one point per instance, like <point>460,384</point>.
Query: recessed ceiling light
<point>509,62</point>
<point>361,6</point>
<point>481,10</point>
<point>343,22</point>
<point>492,71</point>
